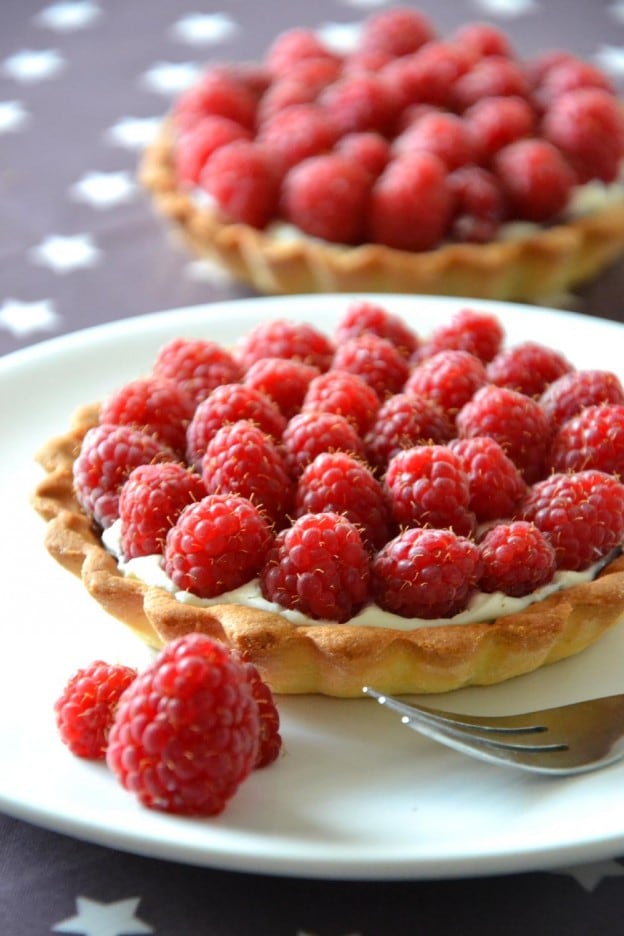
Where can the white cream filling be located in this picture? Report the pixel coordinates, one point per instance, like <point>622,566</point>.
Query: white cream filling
<point>482,606</point>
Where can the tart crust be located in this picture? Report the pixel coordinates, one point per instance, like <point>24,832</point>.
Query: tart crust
<point>536,268</point>
<point>331,659</point>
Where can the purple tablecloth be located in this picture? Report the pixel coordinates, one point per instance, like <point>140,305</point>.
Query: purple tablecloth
<point>83,85</point>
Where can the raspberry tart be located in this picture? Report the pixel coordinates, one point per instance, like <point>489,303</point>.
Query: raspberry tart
<point>460,526</point>
<point>416,162</point>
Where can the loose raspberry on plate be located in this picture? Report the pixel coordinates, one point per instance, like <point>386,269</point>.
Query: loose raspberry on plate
<point>404,421</point>
<point>280,337</point>
<point>241,459</point>
<point>156,405</point>
<point>496,485</point>
<point>427,486</point>
<point>480,333</point>
<point>327,196</point>
<point>86,708</point>
<point>344,393</point>
<point>151,501</point>
<point>449,379</point>
<point>296,133</point>
<point>270,741</point>
<point>411,203</point>
<point>396,32</point>
<point>569,394</point>
<point>243,178</point>
<point>216,545</point>
<point>376,360</point>
<point>227,404</point>
<point>107,456</point>
<point>318,566</point>
<point>587,126</point>
<point>536,178</point>
<point>186,733</point>
<point>338,483</point>
<point>312,432</point>
<point>582,514</point>
<point>365,316</point>
<point>285,381</point>
<point>447,136</point>
<point>425,573</point>
<point>217,93</point>
<point>528,367</point>
<point>201,141</point>
<point>197,364</point>
<point>478,205</point>
<point>594,438</point>
<point>517,559</point>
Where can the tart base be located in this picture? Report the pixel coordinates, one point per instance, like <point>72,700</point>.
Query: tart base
<point>330,659</point>
<point>538,268</point>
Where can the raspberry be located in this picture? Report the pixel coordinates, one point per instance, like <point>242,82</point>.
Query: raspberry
<point>588,127</point>
<point>404,421</point>
<point>198,365</point>
<point>311,432</point>
<point>536,179</point>
<point>327,197</point>
<point>569,394</point>
<point>218,93</point>
<point>282,338</point>
<point>156,405</point>
<point>528,368</point>
<point>243,178</point>
<point>449,378</point>
<point>497,121</point>
<point>291,47</point>
<point>284,93</point>
<point>468,330</point>
<point>478,204</point>
<point>197,144</point>
<point>377,361</point>
<point>227,404</point>
<point>337,482</point>
<point>429,75</point>
<point>425,573</point>
<point>151,501</point>
<point>216,545</point>
<point>517,559</point>
<point>493,76</point>
<point>594,438</point>
<point>186,733</point>
<point>346,394</point>
<point>582,514</point>
<point>284,381</point>
<point>483,39</point>
<point>396,32</point>
<point>538,67</point>
<point>427,486</point>
<point>515,421</point>
<point>360,102</point>
<point>107,456</point>
<point>241,459</point>
<point>297,132</point>
<point>496,486</point>
<point>411,203</point>
<point>364,316</point>
<point>318,566</point>
<point>569,75</point>
<point>270,741</point>
<point>86,708</point>
<point>447,136</point>
<point>369,149</point>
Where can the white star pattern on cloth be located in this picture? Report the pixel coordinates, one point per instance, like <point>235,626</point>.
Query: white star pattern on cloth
<point>29,66</point>
<point>507,7</point>
<point>104,189</point>
<point>591,875</point>
<point>611,59</point>
<point>171,78</point>
<point>341,37</point>
<point>64,254</point>
<point>617,10</point>
<point>25,318</point>
<point>207,271</point>
<point>133,133</point>
<point>13,116</point>
<point>204,28</point>
<point>101,919</point>
<point>365,3</point>
<point>68,16</point>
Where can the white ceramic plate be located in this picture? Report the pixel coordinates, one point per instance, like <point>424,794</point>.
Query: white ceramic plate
<point>354,794</point>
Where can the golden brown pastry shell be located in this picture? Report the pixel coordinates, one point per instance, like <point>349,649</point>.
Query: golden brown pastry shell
<point>536,268</point>
<point>332,659</point>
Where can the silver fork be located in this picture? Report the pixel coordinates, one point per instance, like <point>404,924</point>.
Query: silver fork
<point>570,739</point>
